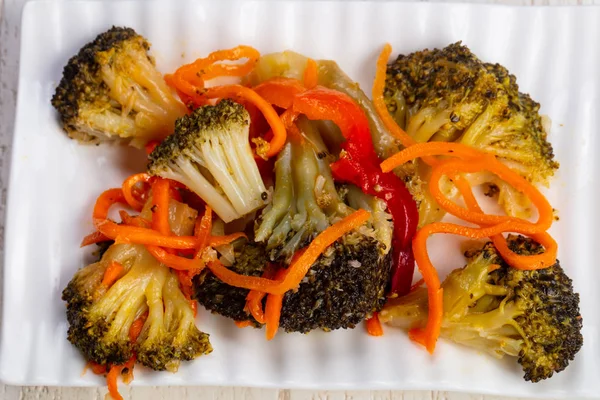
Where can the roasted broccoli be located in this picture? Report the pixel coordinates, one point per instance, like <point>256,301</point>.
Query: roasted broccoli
<point>112,90</point>
<point>532,315</point>
<point>101,314</point>
<point>450,95</point>
<point>100,317</point>
<point>210,154</point>
<point>348,282</point>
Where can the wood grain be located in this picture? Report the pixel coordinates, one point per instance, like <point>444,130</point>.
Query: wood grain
<point>10,15</point>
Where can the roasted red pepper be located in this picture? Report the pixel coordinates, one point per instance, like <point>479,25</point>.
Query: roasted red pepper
<point>359,164</point>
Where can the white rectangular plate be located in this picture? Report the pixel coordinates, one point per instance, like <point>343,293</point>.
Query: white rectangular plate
<point>54,181</point>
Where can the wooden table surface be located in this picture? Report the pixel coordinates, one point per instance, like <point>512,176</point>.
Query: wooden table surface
<point>10,26</point>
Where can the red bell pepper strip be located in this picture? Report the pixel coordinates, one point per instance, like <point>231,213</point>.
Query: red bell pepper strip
<point>359,164</point>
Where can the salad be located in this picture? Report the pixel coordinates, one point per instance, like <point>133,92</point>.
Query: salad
<point>287,199</point>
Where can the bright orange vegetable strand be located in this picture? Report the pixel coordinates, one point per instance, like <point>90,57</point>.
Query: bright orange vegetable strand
<point>298,269</point>
<point>311,74</point>
<point>160,206</point>
<point>112,273</point>
<point>128,189</point>
<point>95,237</point>
<point>374,327</point>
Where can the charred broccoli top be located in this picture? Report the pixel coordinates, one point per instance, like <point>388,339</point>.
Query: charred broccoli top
<point>450,95</point>
<point>532,315</point>
<point>210,154</point>
<point>111,90</point>
<point>349,280</point>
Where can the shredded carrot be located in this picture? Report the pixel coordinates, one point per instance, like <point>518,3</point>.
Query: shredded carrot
<point>174,261</point>
<point>491,164</point>
<point>113,375</point>
<point>374,326</point>
<point>129,186</point>
<point>424,150</point>
<point>280,91</point>
<point>98,369</point>
<point>379,102</point>
<point>160,206</point>
<point>204,69</point>
<point>215,241</point>
<point>254,298</point>
<point>134,234</point>
<point>202,231</point>
<point>243,324</point>
<point>111,382</point>
<point>273,307</point>
<point>299,268</point>
<point>238,91</point>
<point>112,273</point>
<point>194,307</point>
<point>136,327</point>
<point>311,74</point>
<point>105,201</point>
<point>95,237</point>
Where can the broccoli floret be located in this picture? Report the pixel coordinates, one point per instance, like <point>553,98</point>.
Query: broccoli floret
<point>100,317</point>
<point>306,200</point>
<point>112,90</point>
<point>348,281</point>
<point>217,297</point>
<point>450,95</point>
<point>531,315</point>
<point>210,154</point>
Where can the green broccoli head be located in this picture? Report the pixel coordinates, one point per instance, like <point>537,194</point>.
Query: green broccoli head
<point>112,90</point>
<point>450,95</point>
<point>250,259</point>
<point>210,154</point>
<point>306,200</point>
<point>531,315</point>
<point>100,317</point>
<point>345,285</point>
<point>348,281</point>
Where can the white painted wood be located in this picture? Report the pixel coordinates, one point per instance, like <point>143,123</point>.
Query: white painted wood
<point>10,13</point>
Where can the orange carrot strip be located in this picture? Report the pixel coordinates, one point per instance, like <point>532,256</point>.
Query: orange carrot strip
<point>202,231</point>
<point>243,324</point>
<point>160,206</point>
<point>280,91</point>
<point>112,273</point>
<point>273,307</point>
<point>136,327</point>
<point>299,268</point>
<point>111,382</point>
<point>95,237</point>
<point>379,102</point>
<point>374,326</point>
<point>215,241</point>
<point>98,369</point>
<point>491,164</point>
<point>423,150</point>
<point>238,91</point>
<point>311,74</point>
<point>173,261</point>
<point>105,201</point>
<point>128,189</point>
<point>254,298</point>
<point>134,234</point>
